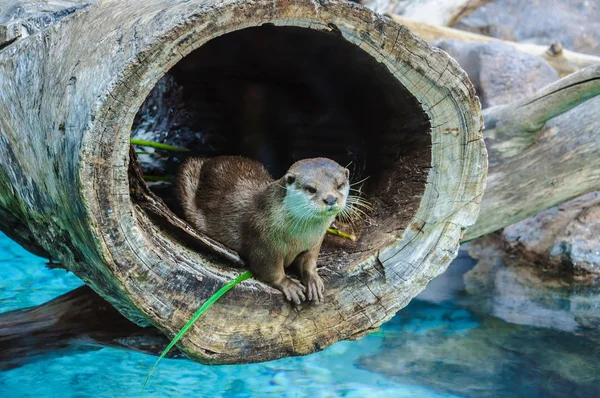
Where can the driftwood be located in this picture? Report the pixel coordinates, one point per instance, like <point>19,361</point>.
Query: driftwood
<point>21,18</point>
<point>68,97</point>
<point>436,12</point>
<point>563,60</point>
<point>544,150</point>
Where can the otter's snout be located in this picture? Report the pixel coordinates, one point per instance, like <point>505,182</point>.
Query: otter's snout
<point>330,200</point>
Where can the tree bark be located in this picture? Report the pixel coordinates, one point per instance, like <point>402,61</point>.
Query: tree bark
<point>435,12</point>
<point>544,150</point>
<point>564,61</point>
<point>68,97</point>
<point>21,18</point>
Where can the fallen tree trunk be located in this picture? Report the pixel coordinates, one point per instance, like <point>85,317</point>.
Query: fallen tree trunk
<point>68,97</point>
<point>544,150</point>
<point>564,61</point>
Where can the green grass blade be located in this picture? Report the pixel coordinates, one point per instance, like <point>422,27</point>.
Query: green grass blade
<point>198,314</point>
<point>157,178</point>
<point>157,145</point>
<point>341,234</point>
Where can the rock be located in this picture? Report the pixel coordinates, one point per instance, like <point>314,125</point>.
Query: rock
<point>511,331</point>
<point>505,286</point>
<point>563,239</point>
<point>481,356</point>
<point>574,23</point>
<point>499,73</point>
<point>448,285</point>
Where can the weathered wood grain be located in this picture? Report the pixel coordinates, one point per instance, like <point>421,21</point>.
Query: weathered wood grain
<point>512,128</point>
<point>68,96</point>
<point>21,18</point>
<point>544,150</point>
<point>563,60</point>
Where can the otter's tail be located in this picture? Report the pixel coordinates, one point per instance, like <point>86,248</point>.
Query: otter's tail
<point>188,179</point>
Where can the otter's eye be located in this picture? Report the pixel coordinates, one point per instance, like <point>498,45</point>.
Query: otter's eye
<point>341,185</point>
<point>311,189</point>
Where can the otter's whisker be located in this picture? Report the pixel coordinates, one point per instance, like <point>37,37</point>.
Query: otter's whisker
<point>356,212</point>
<point>360,202</point>
<point>361,181</point>
<point>359,190</point>
<point>351,214</point>
<point>345,218</point>
<point>355,208</point>
<point>357,198</point>
<point>366,206</point>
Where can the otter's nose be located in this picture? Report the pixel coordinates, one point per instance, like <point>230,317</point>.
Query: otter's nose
<point>330,200</point>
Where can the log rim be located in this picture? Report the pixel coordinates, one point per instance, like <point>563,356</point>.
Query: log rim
<point>443,224</point>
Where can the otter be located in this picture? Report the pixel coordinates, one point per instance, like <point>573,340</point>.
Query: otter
<point>272,224</point>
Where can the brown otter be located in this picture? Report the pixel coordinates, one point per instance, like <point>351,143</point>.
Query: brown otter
<point>271,223</point>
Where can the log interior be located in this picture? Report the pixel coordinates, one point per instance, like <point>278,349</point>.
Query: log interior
<point>280,94</point>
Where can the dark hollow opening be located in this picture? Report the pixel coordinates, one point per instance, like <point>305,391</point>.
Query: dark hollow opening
<point>280,94</point>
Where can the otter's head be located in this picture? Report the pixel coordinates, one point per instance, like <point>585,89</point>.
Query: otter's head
<point>316,188</point>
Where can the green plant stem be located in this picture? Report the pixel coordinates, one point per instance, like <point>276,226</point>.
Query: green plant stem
<point>157,178</point>
<point>157,145</point>
<point>198,314</point>
<point>341,234</point>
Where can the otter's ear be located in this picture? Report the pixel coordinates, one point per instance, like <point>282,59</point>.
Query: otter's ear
<point>290,179</point>
<point>347,173</point>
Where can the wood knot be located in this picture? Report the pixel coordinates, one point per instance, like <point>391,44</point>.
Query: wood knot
<point>555,49</point>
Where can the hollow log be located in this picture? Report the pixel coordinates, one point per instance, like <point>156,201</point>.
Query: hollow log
<point>68,97</point>
<point>563,60</point>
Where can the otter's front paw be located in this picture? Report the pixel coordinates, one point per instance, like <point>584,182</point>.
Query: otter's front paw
<point>292,290</point>
<point>315,287</point>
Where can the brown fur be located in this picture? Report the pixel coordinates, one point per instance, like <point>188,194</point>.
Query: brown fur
<point>235,201</point>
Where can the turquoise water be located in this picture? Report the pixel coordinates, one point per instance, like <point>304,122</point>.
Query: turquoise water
<point>439,346</point>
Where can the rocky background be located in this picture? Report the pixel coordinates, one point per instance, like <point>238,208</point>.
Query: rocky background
<point>516,314</point>
<point>564,240</point>
<point>574,23</point>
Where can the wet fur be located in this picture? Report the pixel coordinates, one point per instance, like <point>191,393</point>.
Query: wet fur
<point>235,201</point>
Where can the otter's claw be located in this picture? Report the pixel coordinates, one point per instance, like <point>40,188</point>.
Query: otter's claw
<point>315,288</point>
<point>292,290</point>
